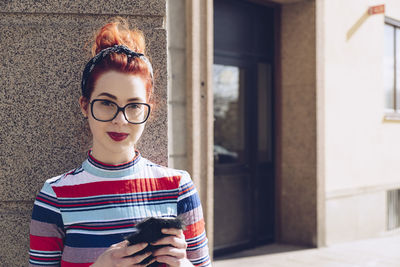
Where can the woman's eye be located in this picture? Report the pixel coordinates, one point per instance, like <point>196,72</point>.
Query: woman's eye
<point>134,106</point>
<point>106,103</point>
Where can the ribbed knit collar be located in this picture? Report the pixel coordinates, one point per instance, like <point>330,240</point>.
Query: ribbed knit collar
<point>101,169</point>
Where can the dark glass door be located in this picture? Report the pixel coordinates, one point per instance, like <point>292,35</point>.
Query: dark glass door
<point>243,125</point>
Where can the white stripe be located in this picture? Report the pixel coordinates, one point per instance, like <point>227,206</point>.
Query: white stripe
<point>46,255</point>
<point>115,214</point>
<point>105,232</point>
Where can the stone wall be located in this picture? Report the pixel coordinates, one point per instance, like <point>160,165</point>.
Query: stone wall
<point>42,132</point>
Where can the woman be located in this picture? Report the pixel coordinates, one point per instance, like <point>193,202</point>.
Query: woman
<point>80,218</point>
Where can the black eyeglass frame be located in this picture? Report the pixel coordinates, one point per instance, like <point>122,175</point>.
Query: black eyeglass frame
<point>118,110</point>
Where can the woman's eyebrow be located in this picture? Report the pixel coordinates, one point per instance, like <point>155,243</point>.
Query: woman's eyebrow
<point>115,98</point>
<point>135,99</point>
<point>108,95</point>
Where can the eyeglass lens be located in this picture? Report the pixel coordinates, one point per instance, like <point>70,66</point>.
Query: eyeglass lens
<point>105,110</point>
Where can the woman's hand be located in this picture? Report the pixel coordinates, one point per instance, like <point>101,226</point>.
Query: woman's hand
<point>116,255</point>
<point>174,254</point>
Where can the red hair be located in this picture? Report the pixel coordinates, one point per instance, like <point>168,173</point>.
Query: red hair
<point>118,33</point>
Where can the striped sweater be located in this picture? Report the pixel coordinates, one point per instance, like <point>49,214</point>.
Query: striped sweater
<point>78,215</point>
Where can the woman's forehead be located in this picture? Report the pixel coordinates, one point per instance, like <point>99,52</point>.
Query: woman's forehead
<point>120,86</point>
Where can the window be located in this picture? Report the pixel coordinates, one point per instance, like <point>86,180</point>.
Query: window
<point>393,209</point>
<point>392,67</point>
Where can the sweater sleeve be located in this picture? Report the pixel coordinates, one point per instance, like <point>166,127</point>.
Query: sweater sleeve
<point>189,209</point>
<point>46,230</point>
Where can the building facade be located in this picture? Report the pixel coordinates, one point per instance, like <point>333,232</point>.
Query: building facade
<point>285,112</point>
<point>323,113</point>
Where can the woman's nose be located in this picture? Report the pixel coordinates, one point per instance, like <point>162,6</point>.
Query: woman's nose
<point>120,118</point>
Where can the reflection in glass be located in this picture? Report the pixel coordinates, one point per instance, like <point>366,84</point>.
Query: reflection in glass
<point>228,119</point>
<point>389,67</point>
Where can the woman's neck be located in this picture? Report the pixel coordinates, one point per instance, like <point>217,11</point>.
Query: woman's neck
<point>113,158</point>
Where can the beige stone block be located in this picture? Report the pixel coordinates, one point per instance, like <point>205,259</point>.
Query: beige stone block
<point>117,7</point>
<point>371,219</point>
<point>178,162</point>
<point>341,220</point>
<point>355,217</point>
<point>176,23</point>
<point>177,92</point>
<point>177,122</point>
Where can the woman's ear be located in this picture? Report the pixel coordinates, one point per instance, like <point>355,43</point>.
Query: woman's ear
<point>84,104</point>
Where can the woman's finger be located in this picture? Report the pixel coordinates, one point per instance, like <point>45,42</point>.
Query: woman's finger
<point>124,251</point>
<point>120,244</point>
<point>135,248</point>
<point>170,251</point>
<point>147,264</point>
<point>173,241</point>
<point>173,231</point>
<point>137,259</point>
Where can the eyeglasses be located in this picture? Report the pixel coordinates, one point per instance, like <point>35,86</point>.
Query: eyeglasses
<point>106,110</point>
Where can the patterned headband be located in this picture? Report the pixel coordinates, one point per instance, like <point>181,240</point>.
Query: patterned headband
<point>119,49</point>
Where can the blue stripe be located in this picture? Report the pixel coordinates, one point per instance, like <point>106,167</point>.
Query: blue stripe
<point>188,203</point>
<point>186,186</point>
<point>45,215</point>
<point>196,239</point>
<point>44,263</point>
<point>92,241</point>
<point>201,260</point>
<point>113,205</point>
<point>198,247</point>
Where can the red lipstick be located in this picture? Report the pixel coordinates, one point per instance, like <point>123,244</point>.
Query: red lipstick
<point>117,136</point>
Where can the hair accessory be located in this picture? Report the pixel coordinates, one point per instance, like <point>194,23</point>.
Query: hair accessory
<point>119,49</point>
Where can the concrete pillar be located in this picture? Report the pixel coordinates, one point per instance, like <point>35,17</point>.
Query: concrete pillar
<point>301,161</point>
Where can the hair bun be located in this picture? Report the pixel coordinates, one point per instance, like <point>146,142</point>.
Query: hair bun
<point>118,32</point>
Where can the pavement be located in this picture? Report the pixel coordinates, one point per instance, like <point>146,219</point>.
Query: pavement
<point>382,252</point>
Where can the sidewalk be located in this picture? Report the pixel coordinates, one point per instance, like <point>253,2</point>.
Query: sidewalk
<point>382,252</point>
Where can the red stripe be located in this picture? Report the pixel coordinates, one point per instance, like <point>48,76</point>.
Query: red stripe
<point>188,189</point>
<point>118,187</point>
<point>44,243</point>
<point>47,201</point>
<point>198,243</point>
<point>204,262</point>
<point>195,229</point>
<point>72,264</point>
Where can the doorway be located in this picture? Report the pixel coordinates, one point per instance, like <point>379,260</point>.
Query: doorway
<point>243,125</point>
